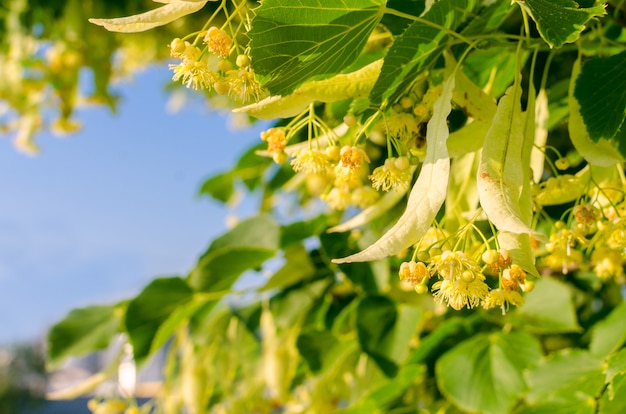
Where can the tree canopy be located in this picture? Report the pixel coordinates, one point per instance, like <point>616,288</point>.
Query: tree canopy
<point>453,173</point>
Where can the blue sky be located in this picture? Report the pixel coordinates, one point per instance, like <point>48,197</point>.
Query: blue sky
<point>100,213</point>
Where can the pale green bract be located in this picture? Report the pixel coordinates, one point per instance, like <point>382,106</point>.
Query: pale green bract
<point>357,84</point>
<point>428,193</point>
<point>173,9</point>
<point>501,173</point>
<point>602,153</point>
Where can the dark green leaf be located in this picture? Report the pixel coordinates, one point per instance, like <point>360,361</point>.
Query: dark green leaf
<point>485,373</point>
<point>150,309</point>
<point>549,308</point>
<point>301,230</point>
<point>293,42</point>
<point>609,334</point>
<point>220,187</point>
<point>560,21</point>
<point>564,377</point>
<point>418,46</point>
<point>83,331</point>
<point>245,247</point>
<point>601,92</point>
<point>385,329</point>
<point>363,274</point>
<point>314,346</point>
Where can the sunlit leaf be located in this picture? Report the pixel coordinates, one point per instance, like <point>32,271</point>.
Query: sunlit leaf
<point>560,21</point>
<point>83,331</point>
<point>609,334</point>
<point>297,268</point>
<point>246,246</point>
<point>150,309</point>
<point>220,187</point>
<point>564,377</point>
<point>602,152</point>
<point>613,401</point>
<point>292,42</point>
<point>419,45</point>
<point>549,308</point>
<point>173,10</point>
<point>428,192</point>
<point>485,373</point>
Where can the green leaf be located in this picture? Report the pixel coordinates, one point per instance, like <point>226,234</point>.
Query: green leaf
<point>419,45</point>
<point>153,306</point>
<point>602,152</point>
<point>600,91</point>
<point>609,334</point>
<point>564,377</point>
<point>484,373</point>
<point>378,398</point>
<point>245,247</point>
<point>560,21</point>
<point>293,42</point>
<point>173,10</point>
<point>83,331</point>
<point>315,346</point>
<point>428,192</point>
<point>548,308</point>
<point>613,401</point>
<point>616,364</point>
<point>385,329</point>
<point>297,268</point>
<point>300,230</point>
<point>220,187</point>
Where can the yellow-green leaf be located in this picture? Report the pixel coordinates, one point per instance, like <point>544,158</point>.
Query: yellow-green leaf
<point>428,193</point>
<point>172,10</point>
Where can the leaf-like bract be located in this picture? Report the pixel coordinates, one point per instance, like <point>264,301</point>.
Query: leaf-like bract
<point>501,172</point>
<point>428,193</point>
<point>559,21</point>
<point>343,86</point>
<point>172,10</point>
<point>293,42</point>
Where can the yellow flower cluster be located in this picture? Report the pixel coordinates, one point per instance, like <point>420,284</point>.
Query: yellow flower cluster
<point>196,70</point>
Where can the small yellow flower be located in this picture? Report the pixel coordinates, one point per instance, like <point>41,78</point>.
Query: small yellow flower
<point>350,162</point>
<point>194,74</point>
<point>276,143</point>
<point>608,263</point>
<point>364,196</point>
<point>394,174</point>
<point>413,272</point>
<point>403,126</point>
<point>463,292</point>
<point>338,198</point>
<point>218,41</point>
<point>311,161</point>
<point>502,298</point>
<point>243,85</point>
